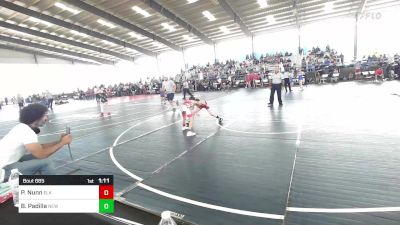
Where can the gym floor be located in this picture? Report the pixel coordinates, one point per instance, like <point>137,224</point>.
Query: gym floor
<point>328,156</point>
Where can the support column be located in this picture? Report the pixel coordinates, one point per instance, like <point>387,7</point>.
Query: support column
<point>184,60</point>
<point>35,57</point>
<point>252,45</point>
<point>158,66</point>
<point>215,54</point>
<point>356,37</point>
<point>299,36</point>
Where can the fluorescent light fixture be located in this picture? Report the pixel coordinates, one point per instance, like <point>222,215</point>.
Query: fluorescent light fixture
<point>69,9</point>
<point>208,15</point>
<point>33,19</point>
<point>109,43</point>
<point>79,33</point>
<point>187,37</point>
<point>224,29</point>
<point>168,27</point>
<point>262,3</point>
<point>45,31</point>
<point>141,11</point>
<point>192,1</point>
<point>105,23</point>
<point>270,19</point>
<point>34,28</point>
<point>23,25</point>
<point>137,36</point>
<point>16,32</point>
<point>157,44</point>
<point>131,50</point>
<point>11,21</point>
<point>329,7</point>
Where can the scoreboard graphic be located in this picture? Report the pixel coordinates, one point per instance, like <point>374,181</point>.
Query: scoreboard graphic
<point>66,194</point>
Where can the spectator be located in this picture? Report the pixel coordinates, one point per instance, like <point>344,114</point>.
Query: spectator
<point>50,100</point>
<point>186,89</point>
<point>21,149</point>
<point>20,101</point>
<point>287,81</point>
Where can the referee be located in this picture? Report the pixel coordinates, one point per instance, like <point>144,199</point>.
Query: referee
<point>276,81</point>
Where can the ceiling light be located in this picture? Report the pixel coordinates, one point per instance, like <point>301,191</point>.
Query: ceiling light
<point>109,43</point>
<point>168,27</point>
<point>224,29</point>
<point>187,37</point>
<point>262,3</point>
<point>69,9</point>
<point>44,31</point>
<point>192,1</point>
<point>157,44</point>
<point>131,50</point>
<point>79,33</point>
<point>137,36</point>
<point>16,32</point>
<point>33,19</point>
<point>105,23</point>
<point>11,21</point>
<point>34,28</point>
<point>329,7</point>
<point>208,15</point>
<point>141,11</point>
<point>23,25</point>
<point>270,19</point>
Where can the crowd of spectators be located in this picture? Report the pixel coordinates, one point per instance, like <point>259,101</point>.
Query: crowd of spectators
<point>251,72</point>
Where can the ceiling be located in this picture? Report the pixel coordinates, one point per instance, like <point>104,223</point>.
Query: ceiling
<point>105,32</point>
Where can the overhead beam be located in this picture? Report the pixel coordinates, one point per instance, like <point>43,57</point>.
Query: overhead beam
<point>170,15</point>
<point>53,49</point>
<point>98,12</point>
<point>72,26</point>
<point>35,53</point>
<point>362,6</point>
<point>229,10</point>
<point>296,12</point>
<point>63,40</point>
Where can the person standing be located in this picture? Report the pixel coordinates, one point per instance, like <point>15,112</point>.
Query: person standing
<point>287,81</point>
<point>50,100</point>
<point>20,148</point>
<point>103,102</point>
<point>301,78</point>
<point>276,86</point>
<point>20,101</point>
<point>170,88</point>
<point>186,89</point>
<point>6,100</point>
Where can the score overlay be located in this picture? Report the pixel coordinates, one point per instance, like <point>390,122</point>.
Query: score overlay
<point>66,194</point>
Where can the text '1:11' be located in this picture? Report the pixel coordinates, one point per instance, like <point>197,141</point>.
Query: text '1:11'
<point>104,180</point>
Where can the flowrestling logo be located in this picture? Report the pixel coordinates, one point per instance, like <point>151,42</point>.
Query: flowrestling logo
<point>370,16</point>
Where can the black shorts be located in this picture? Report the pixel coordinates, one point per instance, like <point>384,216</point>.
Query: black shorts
<point>170,96</point>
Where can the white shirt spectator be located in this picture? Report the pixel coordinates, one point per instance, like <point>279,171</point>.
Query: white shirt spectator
<point>169,87</point>
<point>13,144</point>
<point>285,75</point>
<point>185,84</point>
<point>49,95</point>
<point>276,78</point>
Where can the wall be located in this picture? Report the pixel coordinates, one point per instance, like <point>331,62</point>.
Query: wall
<point>337,33</point>
<point>378,32</point>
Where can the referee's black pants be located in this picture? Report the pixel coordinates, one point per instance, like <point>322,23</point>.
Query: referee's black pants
<point>277,88</point>
<point>287,83</point>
